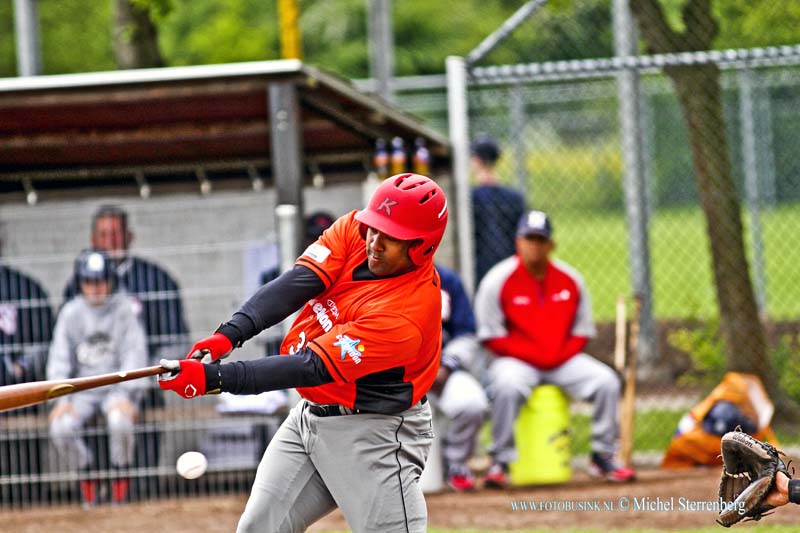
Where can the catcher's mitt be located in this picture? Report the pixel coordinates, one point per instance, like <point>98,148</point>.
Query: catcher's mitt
<point>748,475</point>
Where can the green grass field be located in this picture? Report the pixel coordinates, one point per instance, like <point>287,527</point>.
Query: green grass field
<point>596,243</point>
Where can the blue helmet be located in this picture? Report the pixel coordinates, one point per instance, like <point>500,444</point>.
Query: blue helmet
<point>726,416</point>
<point>95,265</point>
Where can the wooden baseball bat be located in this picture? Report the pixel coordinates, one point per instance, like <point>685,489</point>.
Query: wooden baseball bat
<point>620,334</point>
<point>628,406</point>
<point>25,394</point>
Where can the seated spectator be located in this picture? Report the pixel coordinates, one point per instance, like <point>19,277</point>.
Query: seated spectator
<point>535,316</point>
<point>158,306</point>
<point>97,332</point>
<point>456,393</point>
<point>26,325</point>
<point>156,293</point>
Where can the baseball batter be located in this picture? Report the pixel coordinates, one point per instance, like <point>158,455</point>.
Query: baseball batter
<point>363,352</point>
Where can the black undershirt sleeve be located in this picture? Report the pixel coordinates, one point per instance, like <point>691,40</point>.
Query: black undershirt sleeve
<point>303,369</point>
<point>272,303</point>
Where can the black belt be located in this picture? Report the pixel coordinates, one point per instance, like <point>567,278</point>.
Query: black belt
<point>334,409</point>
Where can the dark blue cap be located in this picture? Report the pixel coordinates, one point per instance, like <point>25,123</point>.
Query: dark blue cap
<point>535,223</point>
<point>485,148</point>
<point>316,223</point>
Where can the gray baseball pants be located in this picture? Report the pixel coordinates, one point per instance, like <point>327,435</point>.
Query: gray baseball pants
<point>368,465</point>
<point>511,382</point>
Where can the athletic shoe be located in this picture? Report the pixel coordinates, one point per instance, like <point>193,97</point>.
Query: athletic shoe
<point>461,483</point>
<point>88,493</point>
<point>605,466</point>
<point>496,477</point>
<point>119,490</point>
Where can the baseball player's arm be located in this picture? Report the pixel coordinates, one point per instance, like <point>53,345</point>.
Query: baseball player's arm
<point>460,319</point>
<point>583,324</point>
<point>786,490</point>
<point>303,369</point>
<point>272,303</point>
<point>191,378</point>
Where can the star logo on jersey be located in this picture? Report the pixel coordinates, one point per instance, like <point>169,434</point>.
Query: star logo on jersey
<point>350,347</point>
<point>387,205</point>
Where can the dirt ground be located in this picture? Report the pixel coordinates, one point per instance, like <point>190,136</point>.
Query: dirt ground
<point>487,510</point>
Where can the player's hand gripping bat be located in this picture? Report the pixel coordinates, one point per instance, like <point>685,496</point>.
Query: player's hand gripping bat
<point>25,394</point>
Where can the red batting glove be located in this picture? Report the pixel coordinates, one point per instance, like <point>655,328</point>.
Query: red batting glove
<point>217,346</point>
<point>186,377</point>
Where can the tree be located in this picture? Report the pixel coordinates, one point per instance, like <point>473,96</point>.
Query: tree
<point>135,33</point>
<point>700,95</point>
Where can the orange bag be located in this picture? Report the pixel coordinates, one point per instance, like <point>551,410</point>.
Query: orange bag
<point>693,446</point>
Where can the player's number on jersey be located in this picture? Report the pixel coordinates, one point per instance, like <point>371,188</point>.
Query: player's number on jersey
<point>294,348</point>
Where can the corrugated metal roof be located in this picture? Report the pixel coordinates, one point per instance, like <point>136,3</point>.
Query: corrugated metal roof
<point>170,125</point>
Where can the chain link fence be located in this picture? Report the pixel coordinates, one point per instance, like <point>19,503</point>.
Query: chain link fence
<point>218,249</point>
<point>668,176</point>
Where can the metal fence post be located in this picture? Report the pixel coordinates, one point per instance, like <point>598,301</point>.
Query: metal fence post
<point>381,46</point>
<point>752,196</point>
<point>629,95</point>
<point>458,120</point>
<point>518,120</point>
<point>26,29</point>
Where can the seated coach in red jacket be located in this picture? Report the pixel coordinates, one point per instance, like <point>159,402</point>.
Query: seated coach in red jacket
<point>534,314</point>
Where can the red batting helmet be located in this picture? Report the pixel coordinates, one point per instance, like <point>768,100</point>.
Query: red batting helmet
<point>408,207</point>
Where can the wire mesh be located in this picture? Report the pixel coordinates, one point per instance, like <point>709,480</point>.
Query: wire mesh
<point>217,249</point>
<point>716,129</point>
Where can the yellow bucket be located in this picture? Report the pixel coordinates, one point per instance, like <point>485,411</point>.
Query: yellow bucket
<point>542,437</point>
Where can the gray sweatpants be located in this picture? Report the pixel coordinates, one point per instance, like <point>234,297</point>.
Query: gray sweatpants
<point>66,430</point>
<point>511,382</point>
<point>368,465</point>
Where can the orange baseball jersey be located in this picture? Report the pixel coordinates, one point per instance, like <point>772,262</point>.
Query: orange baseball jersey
<point>380,338</point>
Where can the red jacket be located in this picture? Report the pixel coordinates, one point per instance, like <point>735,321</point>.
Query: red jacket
<point>542,322</point>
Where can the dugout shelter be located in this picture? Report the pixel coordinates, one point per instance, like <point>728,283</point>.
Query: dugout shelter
<point>279,123</point>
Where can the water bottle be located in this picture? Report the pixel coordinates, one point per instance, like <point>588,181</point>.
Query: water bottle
<point>381,159</point>
<point>398,158</point>
<point>422,158</point>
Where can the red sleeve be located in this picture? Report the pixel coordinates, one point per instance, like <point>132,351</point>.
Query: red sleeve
<point>571,346</point>
<point>368,345</point>
<point>515,345</point>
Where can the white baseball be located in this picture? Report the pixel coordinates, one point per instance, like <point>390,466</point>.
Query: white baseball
<point>191,465</point>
